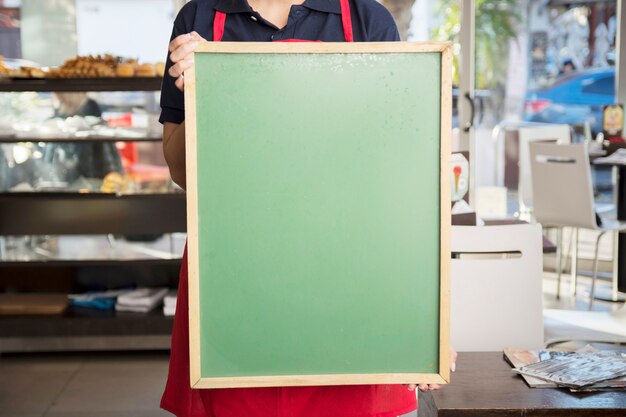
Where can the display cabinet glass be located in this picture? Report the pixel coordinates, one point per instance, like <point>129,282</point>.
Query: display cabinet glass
<point>86,204</point>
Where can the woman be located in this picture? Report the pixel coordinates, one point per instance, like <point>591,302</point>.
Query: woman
<point>263,21</point>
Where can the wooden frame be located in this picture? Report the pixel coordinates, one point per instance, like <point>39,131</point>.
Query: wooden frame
<point>443,375</point>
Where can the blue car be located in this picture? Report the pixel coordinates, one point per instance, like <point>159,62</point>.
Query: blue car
<point>573,99</point>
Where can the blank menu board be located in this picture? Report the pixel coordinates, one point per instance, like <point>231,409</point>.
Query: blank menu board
<point>318,213</point>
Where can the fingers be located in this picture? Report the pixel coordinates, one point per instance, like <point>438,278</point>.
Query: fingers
<point>188,42</point>
<point>197,37</point>
<point>183,51</point>
<point>425,387</point>
<point>411,387</point>
<point>180,48</point>
<point>179,41</point>
<point>453,356</point>
<point>180,83</point>
<point>179,68</point>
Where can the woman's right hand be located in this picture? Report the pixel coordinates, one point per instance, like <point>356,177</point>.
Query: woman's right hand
<point>181,48</point>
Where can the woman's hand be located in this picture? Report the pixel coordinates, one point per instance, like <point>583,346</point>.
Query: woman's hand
<point>180,49</point>
<point>430,387</point>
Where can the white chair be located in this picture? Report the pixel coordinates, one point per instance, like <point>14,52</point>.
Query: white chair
<point>496,296</point>
<point>563,195</point>
<point>560,134</point>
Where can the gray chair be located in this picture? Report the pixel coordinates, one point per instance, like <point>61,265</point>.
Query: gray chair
<point>558,133</point>
<point>563,195</point>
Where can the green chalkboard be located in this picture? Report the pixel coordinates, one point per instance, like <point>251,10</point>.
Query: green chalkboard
<point>317,217</point>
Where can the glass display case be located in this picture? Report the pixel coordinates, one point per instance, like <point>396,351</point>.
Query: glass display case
<point>86,204</point>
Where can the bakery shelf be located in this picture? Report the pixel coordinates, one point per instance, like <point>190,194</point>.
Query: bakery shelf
<point>85,321</point>
<point>76,242</point>
<point>66,213</point>
<point>82,84</point>
<point>86,329</point>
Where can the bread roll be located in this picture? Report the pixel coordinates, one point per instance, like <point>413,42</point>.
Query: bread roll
<point>125,70</point>
<point>159,67</point>
<point>145,70</point>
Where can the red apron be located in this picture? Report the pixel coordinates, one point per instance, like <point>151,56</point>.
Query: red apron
<point>346,21</point>
<point>329,401</point>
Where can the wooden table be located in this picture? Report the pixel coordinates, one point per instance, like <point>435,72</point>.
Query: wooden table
<point>484,386</point>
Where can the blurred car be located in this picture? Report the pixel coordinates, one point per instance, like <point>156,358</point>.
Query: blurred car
<point>573,99</point>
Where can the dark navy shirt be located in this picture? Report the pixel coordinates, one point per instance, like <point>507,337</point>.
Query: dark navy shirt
<point>313,20</point>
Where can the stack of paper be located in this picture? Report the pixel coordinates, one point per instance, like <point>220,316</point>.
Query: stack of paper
<point>141,300</point>
<point>169,303</point>
<point>585,370</point>
<point>101,300</point>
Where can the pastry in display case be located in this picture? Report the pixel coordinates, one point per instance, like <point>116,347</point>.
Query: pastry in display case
<point>4,70</point>
<point>87,66</point>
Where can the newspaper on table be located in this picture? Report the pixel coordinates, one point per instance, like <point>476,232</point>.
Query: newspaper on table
<point>585,370</point>
<point>578,370</point>
<point>521,357</point>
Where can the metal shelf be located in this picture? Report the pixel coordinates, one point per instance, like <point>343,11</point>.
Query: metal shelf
<point>86,329</point>
<point>15,139</point>
<point>92,250</point>
<point>59,213</point>
<point>90,262</point>
<point>82,84</point>
<point>86,322</point>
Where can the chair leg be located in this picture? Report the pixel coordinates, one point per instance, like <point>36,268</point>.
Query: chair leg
<point>615,272</point>
<point>574,267</point>
<point>567,264</point>
<point>559,256</point>
<point>595,271</point>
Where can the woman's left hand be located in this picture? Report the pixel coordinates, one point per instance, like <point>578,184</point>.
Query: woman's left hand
<point>430,387</point>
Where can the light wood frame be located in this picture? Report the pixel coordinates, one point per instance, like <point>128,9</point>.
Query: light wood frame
<point>443,376</point>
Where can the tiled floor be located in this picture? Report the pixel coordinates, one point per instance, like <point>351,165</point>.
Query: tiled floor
<point>130,384</point>
<point>82,385</point>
